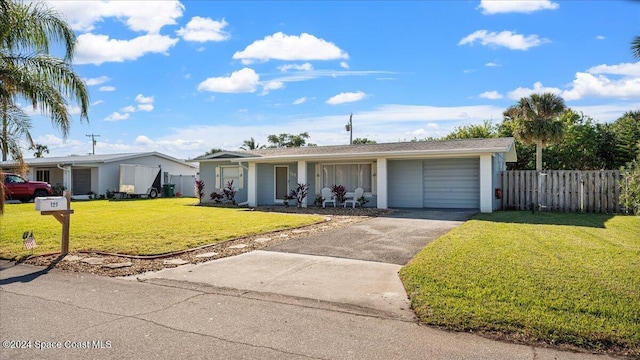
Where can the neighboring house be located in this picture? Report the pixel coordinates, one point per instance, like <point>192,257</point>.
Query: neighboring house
<point>424,174</point>
<point>82,174</point>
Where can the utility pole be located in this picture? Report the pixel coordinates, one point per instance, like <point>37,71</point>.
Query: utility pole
<point>93,142</point>
<point>349,128</point>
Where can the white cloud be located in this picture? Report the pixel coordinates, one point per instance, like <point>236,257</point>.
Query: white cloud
<point>280,46</point>
<point>626,69</point>
<point>141,99</point>
<point>98,49</point>
<point>506,39</point>
<point>107,88</point>
<point>624,84</point>
<point>96,81</point>
<point>242,81</point>
<point>588,85</point>
<point>128,109</point>
<point>492,64</point>
<point>491,95</point>
<point>538,88</point>
<point>145,103</point>
<point>600,37</point>
<point>145,107</point>
<point>344,65</point>
<point>489,7</point>
<point>299,67</point>
<point>116,116</point>
<point>299,101</point>
<point>98,102</point>
<point>271,85</point>
<point>144,16</point>
<point>346,97</point>
<point>201,29</point>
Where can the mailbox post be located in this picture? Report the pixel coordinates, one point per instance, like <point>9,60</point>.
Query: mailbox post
<point>60,208</point>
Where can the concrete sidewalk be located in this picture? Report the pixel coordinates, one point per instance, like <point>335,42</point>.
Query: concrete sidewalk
<point>357,286</point>
<point>120,319</point>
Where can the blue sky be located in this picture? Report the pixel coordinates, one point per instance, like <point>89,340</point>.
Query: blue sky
<point>184,77</point>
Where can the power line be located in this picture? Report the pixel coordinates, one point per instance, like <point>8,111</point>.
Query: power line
<point>93,142</point>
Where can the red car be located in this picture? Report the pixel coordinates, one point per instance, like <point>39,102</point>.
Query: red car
<point>18,188</point>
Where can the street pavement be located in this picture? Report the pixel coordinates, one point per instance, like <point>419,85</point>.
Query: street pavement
<point>259,305</point>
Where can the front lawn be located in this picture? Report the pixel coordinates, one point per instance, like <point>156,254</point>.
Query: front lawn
<point>143,227</point>
<point>566,279</point>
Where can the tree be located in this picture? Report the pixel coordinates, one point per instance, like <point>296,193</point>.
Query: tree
<point>470,131</point>
<point>627,133</point>
<point>635,47</point>
<point>40,150</point>
<point>213,151</point>
<point>288,140</point>
<point>29,72</point>
<point>363,141</point>
<point>251,145</point>
<point>535,121</point>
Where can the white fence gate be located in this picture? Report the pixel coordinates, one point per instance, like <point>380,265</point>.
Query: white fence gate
<point>185,184</point>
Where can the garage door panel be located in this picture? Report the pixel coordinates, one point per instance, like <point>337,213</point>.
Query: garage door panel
<point>451,183</point>
<point>405,183</point>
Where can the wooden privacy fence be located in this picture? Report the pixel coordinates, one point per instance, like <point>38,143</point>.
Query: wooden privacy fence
<point>561,190</point>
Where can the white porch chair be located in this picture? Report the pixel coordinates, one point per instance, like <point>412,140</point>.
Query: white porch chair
<point>357,194</point>
<point>328,197</point>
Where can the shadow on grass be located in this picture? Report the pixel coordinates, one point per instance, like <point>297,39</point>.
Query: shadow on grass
<point>31,276</point>
<point>547,218</point>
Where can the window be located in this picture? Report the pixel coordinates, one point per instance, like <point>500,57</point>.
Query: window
<point>42,175</point>
<point>225,174</point>
<point>349,175</point>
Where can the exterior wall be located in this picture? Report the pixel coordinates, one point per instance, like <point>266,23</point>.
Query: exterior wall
<point>405,183</point>
<point>208,175</point>
<point>266,181</point>
<point>499,165</point>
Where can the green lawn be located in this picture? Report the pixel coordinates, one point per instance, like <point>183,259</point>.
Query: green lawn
<point>557,278</point>
<point>137,227</point>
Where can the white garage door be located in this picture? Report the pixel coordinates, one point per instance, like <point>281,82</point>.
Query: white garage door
<point>451,183</point>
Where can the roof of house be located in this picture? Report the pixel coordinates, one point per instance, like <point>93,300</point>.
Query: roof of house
<point>436,147</point>
<point>92,159</point>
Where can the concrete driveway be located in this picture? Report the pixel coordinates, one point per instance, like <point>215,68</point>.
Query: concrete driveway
<point>395,239</point>
<point>355,267</point>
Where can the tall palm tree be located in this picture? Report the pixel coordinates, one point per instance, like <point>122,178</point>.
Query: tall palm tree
<point>28,72</point>
<point>251,145</point>
<point>536,120</point>
<point>635,47</point>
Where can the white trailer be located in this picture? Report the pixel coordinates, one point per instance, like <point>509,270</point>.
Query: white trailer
<point>139,180</point>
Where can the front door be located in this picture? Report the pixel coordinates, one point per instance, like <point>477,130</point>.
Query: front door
<point>281,183</point>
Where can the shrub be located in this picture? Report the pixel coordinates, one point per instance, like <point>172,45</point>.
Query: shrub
<point>340,192</point>
<point>216,196</point>
<point>199,190</point>
<point>299,194</point>
<point>362,200</point>
<point>319,200</point>
<point>229,193</point>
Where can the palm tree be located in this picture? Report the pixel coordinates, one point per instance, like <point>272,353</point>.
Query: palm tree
<point>535,120</point>
<point>635,47</point>
<point>40,150</point>
<point>28,72</point>
<point>251,145</point>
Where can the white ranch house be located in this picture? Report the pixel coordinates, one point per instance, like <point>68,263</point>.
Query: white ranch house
<point>82,174</point>
<point>460,174</point>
